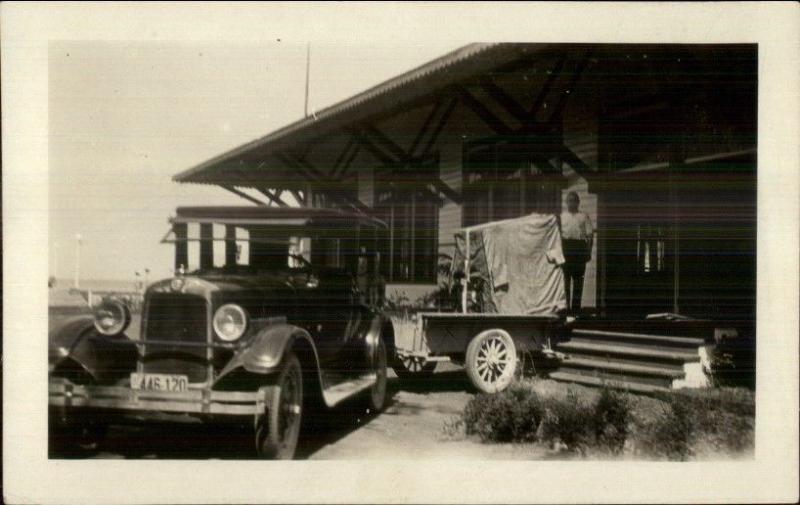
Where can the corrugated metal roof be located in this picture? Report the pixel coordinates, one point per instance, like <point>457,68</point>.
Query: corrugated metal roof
<point>425,79</point>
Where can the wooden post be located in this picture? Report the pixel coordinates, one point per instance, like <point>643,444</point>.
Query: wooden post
<point>230,245</point>
<point>206,246</point>
<point>181,246</point>
<point>673,202</point>
<point>464,292</point>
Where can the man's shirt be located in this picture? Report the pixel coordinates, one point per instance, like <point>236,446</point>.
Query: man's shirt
<point>577,226</point>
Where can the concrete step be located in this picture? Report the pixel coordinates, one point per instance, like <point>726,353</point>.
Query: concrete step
<point>638,344</point>
<point>626,360</point>
<point>700,329</point>
<point>661,341</point>
<point>646,354</point>
<point>623,368</point>
<point>618,375</point>
<point>595,381</point>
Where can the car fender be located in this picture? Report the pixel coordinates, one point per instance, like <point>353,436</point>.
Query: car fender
<point>103,358</point>
<point>266,351</point>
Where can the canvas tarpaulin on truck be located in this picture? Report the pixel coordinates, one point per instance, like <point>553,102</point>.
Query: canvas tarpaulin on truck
<point>516,263</point>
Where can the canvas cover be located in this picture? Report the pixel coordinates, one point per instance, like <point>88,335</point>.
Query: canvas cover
<point>517,264</point>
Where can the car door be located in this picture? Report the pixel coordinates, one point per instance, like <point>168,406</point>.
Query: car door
<point>325,300</point>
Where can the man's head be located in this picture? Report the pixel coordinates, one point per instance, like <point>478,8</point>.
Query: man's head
<point>573,201</point>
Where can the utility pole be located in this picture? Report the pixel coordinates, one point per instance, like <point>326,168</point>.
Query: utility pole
<point>308,68</point>
<point>78,240</point>
<point>55,260</point>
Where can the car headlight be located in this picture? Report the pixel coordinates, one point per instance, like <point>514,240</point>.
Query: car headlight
<point>230,322</point>
<point>111,317</point>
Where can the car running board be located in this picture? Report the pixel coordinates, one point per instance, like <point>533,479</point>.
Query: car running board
<point>340,392</point>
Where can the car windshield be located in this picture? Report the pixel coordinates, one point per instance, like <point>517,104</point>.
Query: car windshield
<point>247,247</point>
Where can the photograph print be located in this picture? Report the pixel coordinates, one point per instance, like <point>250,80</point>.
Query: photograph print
<point>536,251</point>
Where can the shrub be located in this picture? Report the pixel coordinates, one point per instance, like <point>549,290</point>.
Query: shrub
<point>611,418</point>
<point>669,436</point>
<point>511,416</point>
<point>674,425</point>
<point>722,419</point>
<point>733,363</point>
<point>567,421</point>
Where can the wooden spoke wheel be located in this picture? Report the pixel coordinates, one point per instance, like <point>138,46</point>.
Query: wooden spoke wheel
<point>491,361</point>
<point>278,426</point>
<point>413,367</point>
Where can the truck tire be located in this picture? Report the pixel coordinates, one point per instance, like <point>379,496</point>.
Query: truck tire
<point>491,361</point>
<point>278,425</point>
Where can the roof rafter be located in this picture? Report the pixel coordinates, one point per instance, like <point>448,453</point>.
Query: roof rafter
<point>244,195</point>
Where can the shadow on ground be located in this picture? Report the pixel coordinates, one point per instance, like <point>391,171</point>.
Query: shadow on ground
<point>231,441</point>
<point>451,381</point>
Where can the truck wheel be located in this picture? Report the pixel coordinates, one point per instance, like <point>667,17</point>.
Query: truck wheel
<point>491,361</point>
<point>278,425</point>
<point>413,367</point>
<point>377,394</point>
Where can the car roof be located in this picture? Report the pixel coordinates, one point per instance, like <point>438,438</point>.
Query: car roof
<point>272,216</point>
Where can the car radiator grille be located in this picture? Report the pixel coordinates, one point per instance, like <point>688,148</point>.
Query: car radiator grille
<point>181,319</point>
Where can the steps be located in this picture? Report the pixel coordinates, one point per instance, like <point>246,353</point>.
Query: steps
<point>593,381</point>
<point>642,360</point>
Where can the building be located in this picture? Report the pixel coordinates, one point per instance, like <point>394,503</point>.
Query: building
<point>659,141</point>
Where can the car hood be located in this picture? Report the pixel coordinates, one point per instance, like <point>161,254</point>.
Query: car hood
<point>205,285</point>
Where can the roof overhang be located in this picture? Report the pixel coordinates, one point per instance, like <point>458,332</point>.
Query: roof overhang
<point>271,216</point>
<point>414,87</point>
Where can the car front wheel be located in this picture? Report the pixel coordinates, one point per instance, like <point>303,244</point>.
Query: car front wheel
<point>278,425</point>
<point>76,437</point>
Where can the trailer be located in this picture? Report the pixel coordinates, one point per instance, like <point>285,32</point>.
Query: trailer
<point>514,311</point>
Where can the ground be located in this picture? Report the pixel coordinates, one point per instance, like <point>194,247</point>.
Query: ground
<point>411,427</point>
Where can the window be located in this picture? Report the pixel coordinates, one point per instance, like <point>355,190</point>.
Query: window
<point>651,247</point>
<point>411,211</point>
<point>502,182</point>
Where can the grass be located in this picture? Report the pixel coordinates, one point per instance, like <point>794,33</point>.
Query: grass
<point>570,419</point>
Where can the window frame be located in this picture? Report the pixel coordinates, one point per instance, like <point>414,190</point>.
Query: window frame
<point>395,204</point>
<point>531,179</point>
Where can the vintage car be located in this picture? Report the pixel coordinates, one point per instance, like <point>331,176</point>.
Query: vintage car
<point>281,315</point>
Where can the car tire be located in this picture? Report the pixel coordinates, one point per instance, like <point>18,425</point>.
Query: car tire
<point>277,426</point>
<point>491,361</point>
<point>76,437</point>
<point>377,393</point>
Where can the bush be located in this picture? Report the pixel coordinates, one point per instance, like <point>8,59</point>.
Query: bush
<point>669,436</point>
<point>722,419</point>
<point>568,421</point>
<point>733,363</point>
<point>611,419</point>
<point>675,425</point>
<point>511,416</point>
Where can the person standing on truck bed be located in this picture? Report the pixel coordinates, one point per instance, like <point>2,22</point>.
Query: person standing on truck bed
<point>576,241</point>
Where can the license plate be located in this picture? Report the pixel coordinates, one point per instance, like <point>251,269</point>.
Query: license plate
<point>159,382</point>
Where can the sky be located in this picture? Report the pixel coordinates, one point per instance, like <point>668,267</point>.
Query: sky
<point>124,117</point>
